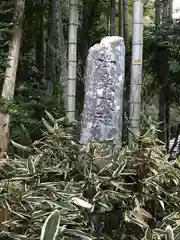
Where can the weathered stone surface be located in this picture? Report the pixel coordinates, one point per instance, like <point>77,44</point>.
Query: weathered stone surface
<point>104,83</point>
<point>176,148</point>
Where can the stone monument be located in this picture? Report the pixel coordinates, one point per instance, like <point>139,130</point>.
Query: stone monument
<point>104,85</point>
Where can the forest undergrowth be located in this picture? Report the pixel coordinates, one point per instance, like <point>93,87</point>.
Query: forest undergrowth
<point>60,192</point>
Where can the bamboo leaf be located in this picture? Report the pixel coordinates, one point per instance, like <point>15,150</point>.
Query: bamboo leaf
<point>177,236</point>
<point>81,203</point>
<point>78,233</point>
<point>162,204</point>
<point>16,236</point>
<point>62,120</point>
<point>66,205</point>
<point>39,214</point>
<point>24,148</point>
<point>149,234</point>
<point>159,231</point>
<point>47,126</point>
<point>50,116</point>
<point>30,166</point>
<point>32,199</point>
<point>170,234</point>
<point>51,226</point>
<point>37,159</point>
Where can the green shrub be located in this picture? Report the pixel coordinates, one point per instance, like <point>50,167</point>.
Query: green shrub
<point>135,195</point>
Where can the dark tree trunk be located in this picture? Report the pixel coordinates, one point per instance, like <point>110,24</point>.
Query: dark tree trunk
<point>83,46</point>
<point>40,38</point>
<point>113,17</point>
<point>164,92</point>
<point>51,46</point>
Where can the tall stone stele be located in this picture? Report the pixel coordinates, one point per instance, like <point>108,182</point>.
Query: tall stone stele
<point>104,83</point>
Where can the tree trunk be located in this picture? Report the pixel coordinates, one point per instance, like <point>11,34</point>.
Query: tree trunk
<point>121,26</point>
<point>165,11</point>
<point>157,13</point>
<point>170,10</point>
<point>164,80</point>
<point>40,39</point>
<point>136,69</point>
<point>51,46</point>
<point>125,20</point>
<point>62,54</point>
<point>72,60</point>
<point>164,92</point>
<point>83,46</point>
<point>113,17</point>
<point>26,41</point>
<point>108,20</point>
<point>127,74</point>
<point>10,74</point>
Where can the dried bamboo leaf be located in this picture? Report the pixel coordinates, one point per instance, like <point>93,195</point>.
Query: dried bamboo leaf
<point>24,148</point>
